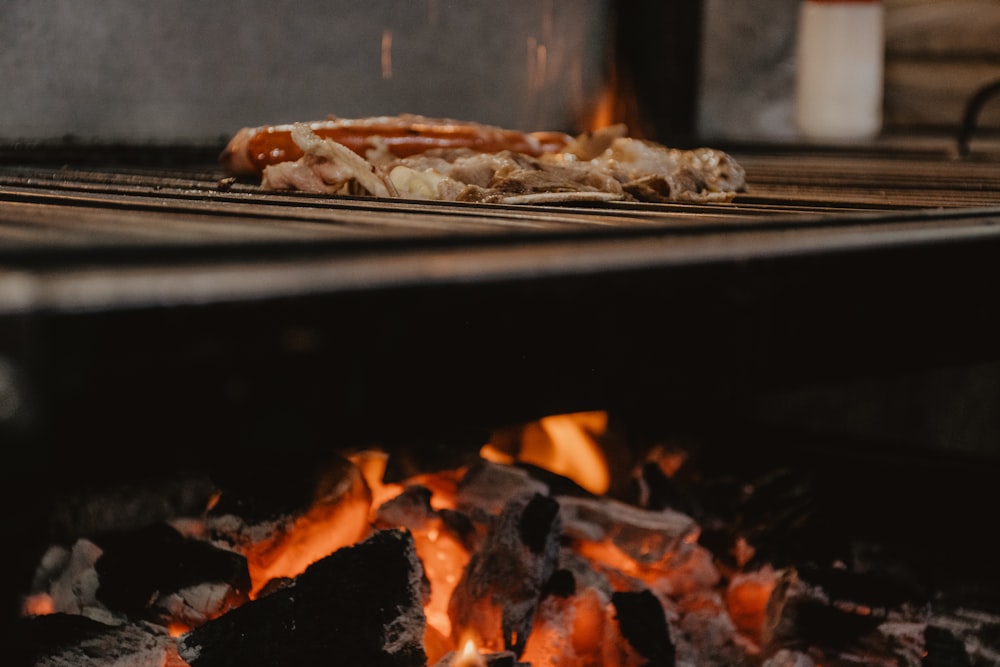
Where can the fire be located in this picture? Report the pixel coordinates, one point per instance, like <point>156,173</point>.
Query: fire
<point>469,656</point>
<point>576,624</point>
<point>444,559</point>
<point>372,464</point>
<point>567,445</point>
<point>605,109</point>
<point>341,521</point>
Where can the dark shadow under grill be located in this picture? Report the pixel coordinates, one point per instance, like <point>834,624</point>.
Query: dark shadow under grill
<point>127,286</point>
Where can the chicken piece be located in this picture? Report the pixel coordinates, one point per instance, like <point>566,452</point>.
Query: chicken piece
<point>652,172</point>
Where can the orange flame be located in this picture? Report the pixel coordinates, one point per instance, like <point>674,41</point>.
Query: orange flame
<point>570,448</point>
<point>326,527</point>
<point>39,604</point>
<point>605,110</point>
<point>469,656</point>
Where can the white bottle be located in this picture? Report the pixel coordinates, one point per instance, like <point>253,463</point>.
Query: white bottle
<point>840,60</point>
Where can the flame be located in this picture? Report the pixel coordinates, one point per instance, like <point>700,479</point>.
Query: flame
<point>372,464</point>
<point>604,112</point>
<point>326,527</point>
<point>310,540</point>
<point>570,448</point>
<point>444,558</point>
<point>469,656</point>
<point>577,629</point>
<point>176,629</point>
<point>494,454</point>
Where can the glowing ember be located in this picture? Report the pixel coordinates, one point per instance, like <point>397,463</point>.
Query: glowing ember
<point>469,656</point>
<point>318,533</point>
<point>38,605</point>
<point>561,610</point>
<point>746,600</point>
<point>568,446</point>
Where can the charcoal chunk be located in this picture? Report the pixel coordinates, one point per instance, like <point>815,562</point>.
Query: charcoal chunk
<point>500,589</point>
<point>537,521</point>
<point>63,640</point>
<point>643,623</point>
<point>261,494</point>
<point>362,605</point>
<point>136,568</point>
<point>825,611</point>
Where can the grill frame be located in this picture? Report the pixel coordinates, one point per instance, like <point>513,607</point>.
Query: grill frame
<point>121,262</point>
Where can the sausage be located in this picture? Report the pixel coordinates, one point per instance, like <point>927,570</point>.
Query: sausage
<point>253,148</point>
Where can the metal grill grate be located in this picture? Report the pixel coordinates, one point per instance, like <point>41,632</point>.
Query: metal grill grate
<point>168,295</point>
<point>76,207</point>
<point>72,233</point>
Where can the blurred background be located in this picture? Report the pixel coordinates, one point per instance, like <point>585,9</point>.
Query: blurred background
<point>938,53</point>
<point>191,71</point>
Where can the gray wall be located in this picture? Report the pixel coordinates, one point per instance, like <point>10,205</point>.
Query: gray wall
<point>192,71</point>
<point>747,69</point>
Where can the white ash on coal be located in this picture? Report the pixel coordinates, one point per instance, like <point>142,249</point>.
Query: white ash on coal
<point>500,589</point>
<point>150,574</point>
<point>71,640</point>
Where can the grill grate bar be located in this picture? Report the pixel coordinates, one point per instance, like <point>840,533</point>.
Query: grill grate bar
<point>133,206</point>
<point>899,181</point>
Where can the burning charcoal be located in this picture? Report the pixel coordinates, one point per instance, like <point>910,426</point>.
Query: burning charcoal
<point>66,582</point>
<point>469,656</point>
<point>575,622</point>
<point>582,572</point>
<point>558,485</point>
<point>746,600</point>
<point>500,589</point>
<point>487,488</point>
<point>156,568</point>
<point>66,640</point>
<point>362,605</point>
<point>570,629</point>
<point>815,614</point>
<point>644,625</point>
<point>283,522</point>
<point>412,509</point>
<point>646,536</point>
<point>706,635</point>
<point>443,540</point>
